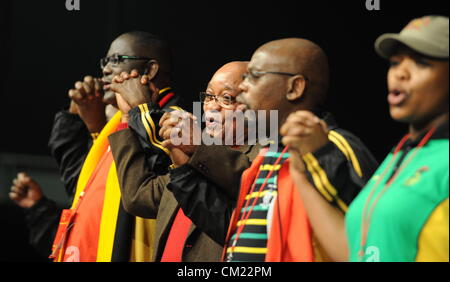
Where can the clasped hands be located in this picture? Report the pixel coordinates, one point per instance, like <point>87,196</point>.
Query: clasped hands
<point>304,133</point>
<point>133,89</point>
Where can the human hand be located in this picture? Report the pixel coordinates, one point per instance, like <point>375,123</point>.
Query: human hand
<point>134,89</point>
<point>304,132</point>
<point>73,108</point>
<point>25,192</point>
<point>183,126</point>
<point>87,102</point>
<point>178,157</point>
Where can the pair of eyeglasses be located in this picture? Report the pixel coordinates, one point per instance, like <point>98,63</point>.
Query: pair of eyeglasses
<point>116,59</point>
<point>225,101</point>
<point>253,76</point>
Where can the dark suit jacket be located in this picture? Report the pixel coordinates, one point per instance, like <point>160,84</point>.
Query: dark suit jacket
<point>145,194</point>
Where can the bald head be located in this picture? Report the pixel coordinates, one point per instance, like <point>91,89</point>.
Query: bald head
<point>300,56</point>
<point>224,84</point>
<point>230,74</point>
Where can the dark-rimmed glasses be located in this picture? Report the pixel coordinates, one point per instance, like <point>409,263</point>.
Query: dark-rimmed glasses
<point>117,59</point>
<point>225,101</point>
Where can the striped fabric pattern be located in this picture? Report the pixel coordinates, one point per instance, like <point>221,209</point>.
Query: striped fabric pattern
<point>251,244</point>
<point>319,176</point>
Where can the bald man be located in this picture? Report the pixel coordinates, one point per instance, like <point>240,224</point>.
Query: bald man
<point>270,221</point>
<point>291,75</point>
<point>145,192</point>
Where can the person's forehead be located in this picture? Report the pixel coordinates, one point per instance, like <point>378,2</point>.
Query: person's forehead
<point>226,80</point>
<point>126,45</point>
<point>264,60</point>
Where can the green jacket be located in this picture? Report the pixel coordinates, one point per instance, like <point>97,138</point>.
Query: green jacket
<point>410,220</point>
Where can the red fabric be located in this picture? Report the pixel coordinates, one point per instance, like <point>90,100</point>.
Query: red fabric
<point>247,179</point>
<point>173,252</point>
<point>82,241</point>
<point>123,125</point>
<point>64,221</point>
<point>291,239</point>
<point>165,99</point>
<point>79,241</point>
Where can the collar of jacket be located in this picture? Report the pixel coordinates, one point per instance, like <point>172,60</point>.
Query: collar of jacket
<point>440,133</point>
<point>164,96</point>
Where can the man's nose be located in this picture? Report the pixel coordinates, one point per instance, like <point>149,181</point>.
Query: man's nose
<point>213,105</point>
<point>107,70</point>
<point>242,87</point>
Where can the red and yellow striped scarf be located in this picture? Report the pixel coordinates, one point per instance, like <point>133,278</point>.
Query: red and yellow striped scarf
<point>143,229</point>
<point>290,238</point>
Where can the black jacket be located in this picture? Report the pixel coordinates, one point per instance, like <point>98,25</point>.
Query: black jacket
<point>142,169</point>
<point>42,221</point>
<point>348,165</point>
<point>69,144</point>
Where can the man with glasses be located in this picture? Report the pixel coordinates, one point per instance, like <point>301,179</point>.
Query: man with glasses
<point>99,228</point>
<point>270,222</point>
<point>144,189</point>
<point>74,130</point>
<point>291,75</point>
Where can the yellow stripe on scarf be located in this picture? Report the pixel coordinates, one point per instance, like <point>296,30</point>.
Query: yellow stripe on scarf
<point>143,240</point>
<point>143,234</point>
<point>98,148</point>
<point>110,211</point>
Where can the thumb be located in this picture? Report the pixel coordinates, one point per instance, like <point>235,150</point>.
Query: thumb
<point>73,108</point>
<point>324,126</point>
<point>115,87</point>
<point>167,144</point>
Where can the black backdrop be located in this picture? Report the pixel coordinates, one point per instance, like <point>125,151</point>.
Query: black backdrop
<point>45,49</point>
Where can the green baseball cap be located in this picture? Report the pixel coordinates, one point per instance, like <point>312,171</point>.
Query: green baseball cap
<point>427,35</point>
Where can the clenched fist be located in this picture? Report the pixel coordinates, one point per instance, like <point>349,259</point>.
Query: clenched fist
<point>25,192</point>
<point>132,90</point>
<point>304,133</point>
<point>184,127</point>
<point>87,102</point>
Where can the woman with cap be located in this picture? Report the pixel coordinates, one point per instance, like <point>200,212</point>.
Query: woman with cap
<point>402,213</point>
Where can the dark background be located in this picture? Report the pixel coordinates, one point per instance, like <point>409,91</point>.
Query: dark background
<point>44,49</point>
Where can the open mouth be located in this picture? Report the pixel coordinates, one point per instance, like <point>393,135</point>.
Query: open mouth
<point>106,85</point>
<point>396,97</point>
<point>213,120</point>
<point>212,124</point>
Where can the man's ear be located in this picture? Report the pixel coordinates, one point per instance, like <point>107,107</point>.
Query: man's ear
<point>151,69</point>
<point>296,87</point>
